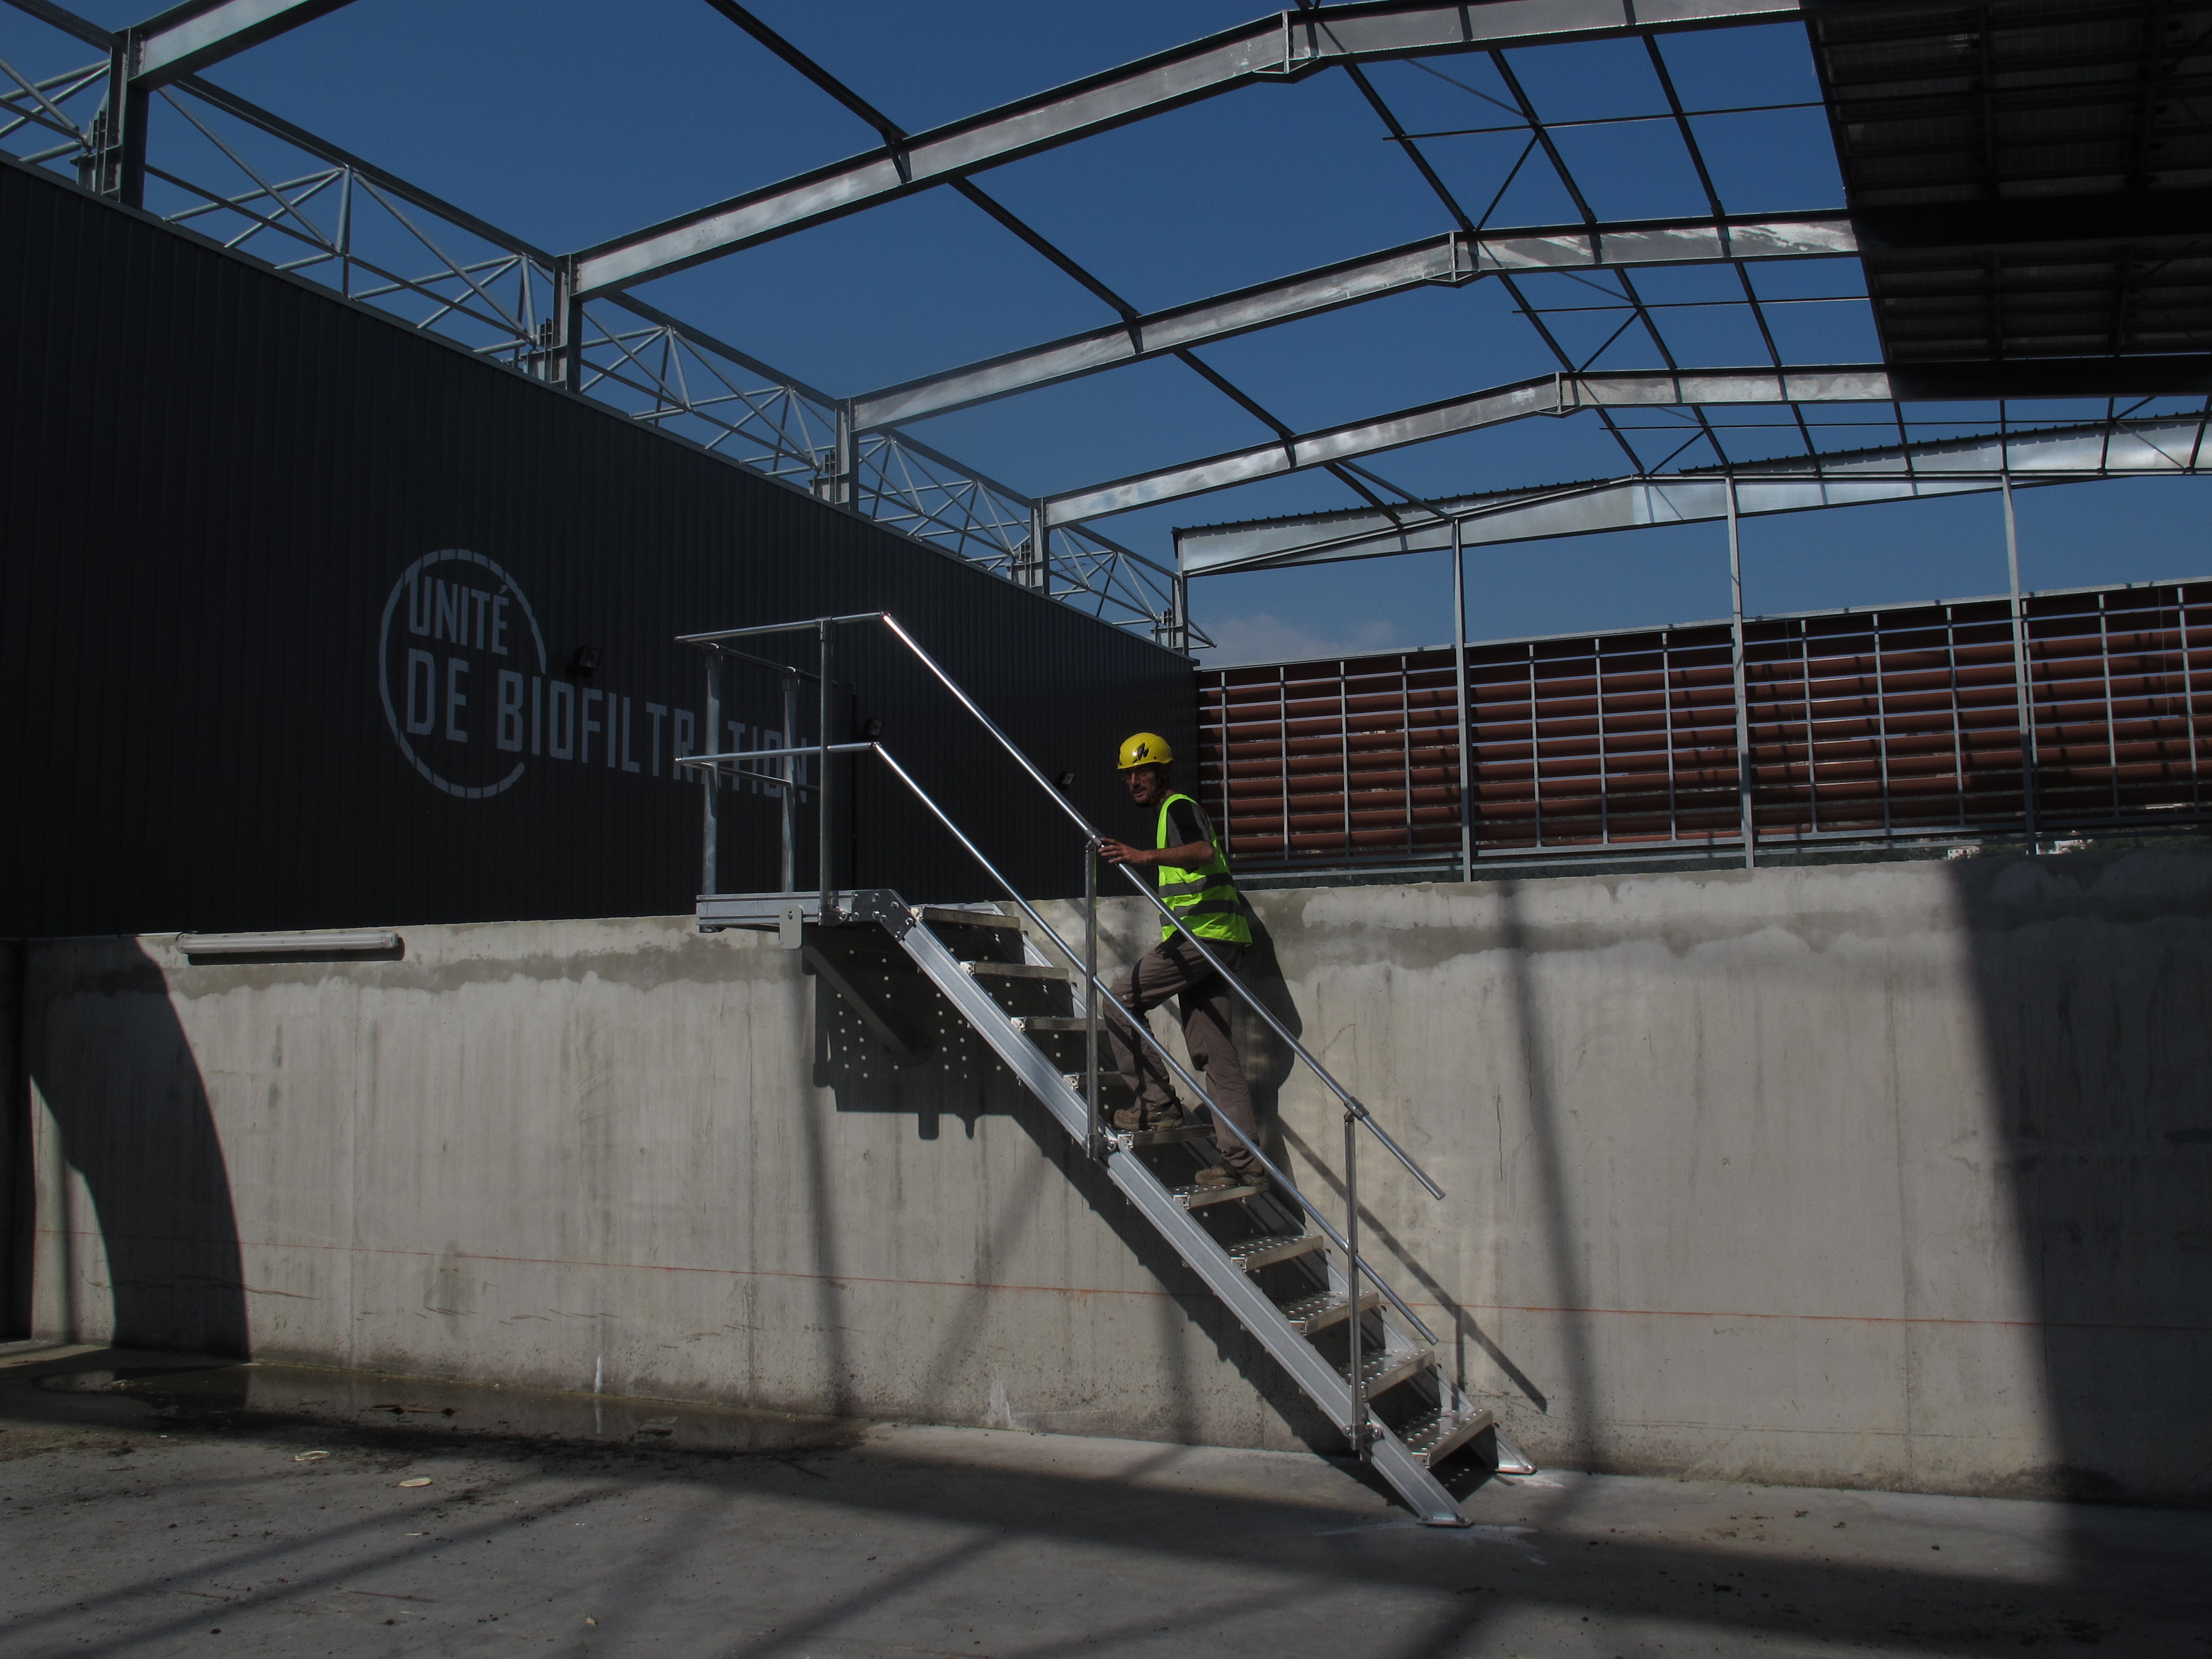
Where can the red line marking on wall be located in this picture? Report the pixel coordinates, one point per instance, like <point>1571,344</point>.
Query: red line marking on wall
<point>1173,1296</point>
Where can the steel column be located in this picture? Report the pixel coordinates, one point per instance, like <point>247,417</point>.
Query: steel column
<point>119,129</point>
<point>844,481</point>
<point>1743,773</point>
<point>711,779</point>
<point>826,879</point>
<point>790,768</point>
<point>1466,714</point>
<point>2023,686</point>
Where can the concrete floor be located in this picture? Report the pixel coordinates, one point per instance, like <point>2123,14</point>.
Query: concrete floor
<point>147,1508</point>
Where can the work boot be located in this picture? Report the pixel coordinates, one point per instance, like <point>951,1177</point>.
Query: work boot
<point>1134,1119</point>
<point>1251,1176</point>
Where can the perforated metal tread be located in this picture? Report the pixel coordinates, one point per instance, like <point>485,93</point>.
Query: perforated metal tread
<point>936,915</point>
<point>1253,1254</point>
<point>1019,971</point>
<point>1129,1139</point>
<point>1197,1198</point>
<point>1318,1312</point>
<point>1384,1371</point>
<point>1433,1438</point>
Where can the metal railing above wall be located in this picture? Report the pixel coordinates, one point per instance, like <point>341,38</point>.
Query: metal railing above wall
<point>1905,722</point>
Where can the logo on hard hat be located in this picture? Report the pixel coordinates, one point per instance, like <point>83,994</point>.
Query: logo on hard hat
<point>1146,749</point>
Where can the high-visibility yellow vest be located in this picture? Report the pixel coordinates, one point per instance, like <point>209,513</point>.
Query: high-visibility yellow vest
<point>1206,900</point>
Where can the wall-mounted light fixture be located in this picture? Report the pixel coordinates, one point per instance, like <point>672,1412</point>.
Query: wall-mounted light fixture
<point>586,659</point>
<point>1066,780</point>
<point>350,941</point>
<point>873,727</point>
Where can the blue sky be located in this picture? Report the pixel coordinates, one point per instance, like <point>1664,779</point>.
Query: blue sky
<point>570,122</point>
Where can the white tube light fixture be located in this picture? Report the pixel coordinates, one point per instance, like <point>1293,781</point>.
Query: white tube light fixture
<point>268,944</point>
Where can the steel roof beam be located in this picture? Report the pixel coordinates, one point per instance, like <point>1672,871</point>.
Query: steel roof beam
<point>1549,394</point>
<point>1447,261</point>
<point>186,38</point>
<point>2163,446</point>
<point>54,16</point>
<point>1289,46</point>
<point>1566,393</point>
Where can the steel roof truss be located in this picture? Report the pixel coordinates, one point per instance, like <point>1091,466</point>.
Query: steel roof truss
<point>187,39</point>
<point>2171,445</point>
<point>1283,47</point>
<point>1447,261</point>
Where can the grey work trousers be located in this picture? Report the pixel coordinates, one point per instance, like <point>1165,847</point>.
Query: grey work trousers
<point>1173,969</point>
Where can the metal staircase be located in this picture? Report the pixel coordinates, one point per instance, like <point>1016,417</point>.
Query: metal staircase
<point>1290,1276</point>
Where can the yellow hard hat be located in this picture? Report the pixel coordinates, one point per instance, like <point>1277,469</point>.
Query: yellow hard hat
<point>1146,749</point>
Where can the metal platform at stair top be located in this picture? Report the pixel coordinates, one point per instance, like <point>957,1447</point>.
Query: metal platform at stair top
<point>1293,1278</point>
<point>771,912</point>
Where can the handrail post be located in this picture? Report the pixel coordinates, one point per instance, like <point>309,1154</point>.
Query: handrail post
<point>1459,677</point>
<point>711,777</point>
<point>790,769</point>
<point>1746,777</point>
<point>827,879</point>
<point>1090,994</point>
<point>2023,686</point>
<point>1356,1429</point>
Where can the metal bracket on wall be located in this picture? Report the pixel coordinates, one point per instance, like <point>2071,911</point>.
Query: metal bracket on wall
<point>842,962</point>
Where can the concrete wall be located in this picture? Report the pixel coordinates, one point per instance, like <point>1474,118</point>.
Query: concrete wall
<point>1890,1174</point>
<point>14,1148</point>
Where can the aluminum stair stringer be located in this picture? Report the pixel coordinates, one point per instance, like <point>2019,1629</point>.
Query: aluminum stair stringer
<point>1314,1376</point>
<point>1319,1380</point>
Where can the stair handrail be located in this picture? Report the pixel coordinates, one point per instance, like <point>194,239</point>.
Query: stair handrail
<point>1144,1029</point>
<point>1098,986</point>
<point>1357,1107</point>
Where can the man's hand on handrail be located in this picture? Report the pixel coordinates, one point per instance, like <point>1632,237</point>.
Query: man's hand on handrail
<point>1191,856</point>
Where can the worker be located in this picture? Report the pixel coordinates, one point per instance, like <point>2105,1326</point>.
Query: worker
<point>1194,883</point>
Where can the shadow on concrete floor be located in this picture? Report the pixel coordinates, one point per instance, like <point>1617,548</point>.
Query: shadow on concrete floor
<point>920,1541</point>
<point>46,1390</point>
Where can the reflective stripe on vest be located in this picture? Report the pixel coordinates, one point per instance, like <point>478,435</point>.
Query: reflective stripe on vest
<point>1206,900</point>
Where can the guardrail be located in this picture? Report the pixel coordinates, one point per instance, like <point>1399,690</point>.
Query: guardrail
<point>1356,1116</point>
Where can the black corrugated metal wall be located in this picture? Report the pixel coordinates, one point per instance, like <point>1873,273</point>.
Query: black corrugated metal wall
<point>218,481</point>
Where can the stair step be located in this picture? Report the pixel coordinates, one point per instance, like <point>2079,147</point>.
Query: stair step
<point>936,915</point>
<point>1309,1314</point>
<point>1382,1371</point>
<point>944,943</point>
<point>1433,1438</point>
<point>1253,1254</point>
<point>1130,1140</point>
<point>1197,1198</point>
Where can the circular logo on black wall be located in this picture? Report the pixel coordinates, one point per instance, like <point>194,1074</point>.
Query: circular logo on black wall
<point>459,651</point>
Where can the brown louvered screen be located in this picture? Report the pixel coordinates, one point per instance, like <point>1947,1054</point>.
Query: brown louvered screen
<point>1862,723</point>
